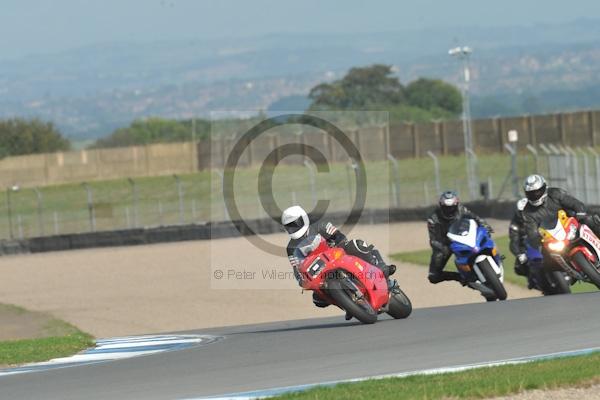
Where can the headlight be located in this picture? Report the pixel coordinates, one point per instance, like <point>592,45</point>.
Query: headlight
<point>556,246</point>
<point>572,232</point>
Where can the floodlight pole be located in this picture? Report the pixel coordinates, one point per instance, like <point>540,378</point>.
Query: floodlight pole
<point>463,53</point>
<point>9,210</point>
<point>396,175</point>
<point>134,199</point>
<point>436,169</point>
<point>180,198</point>
<point>511,146</point>
<point>40,211</point>
<point>90,204</point>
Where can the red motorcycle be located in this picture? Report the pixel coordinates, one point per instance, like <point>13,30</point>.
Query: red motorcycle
<point>348,282</point>
<point>573,246</point>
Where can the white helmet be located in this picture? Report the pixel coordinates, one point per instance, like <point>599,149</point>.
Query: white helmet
<point>295,221</point>
<point>535,190</point>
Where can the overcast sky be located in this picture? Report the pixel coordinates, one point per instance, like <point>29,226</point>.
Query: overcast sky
<point>34,26</point>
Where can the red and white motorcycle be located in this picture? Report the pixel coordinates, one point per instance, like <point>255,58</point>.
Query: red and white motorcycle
<point>573,246</point>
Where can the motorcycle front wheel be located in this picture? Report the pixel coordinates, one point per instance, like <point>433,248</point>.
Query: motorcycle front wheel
<point>400,306</point>
<point>492,280</point>
<point>587,268</point>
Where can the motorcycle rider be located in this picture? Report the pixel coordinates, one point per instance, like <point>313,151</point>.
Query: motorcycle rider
<point>543,202</point>
<point>448,211</point>
<point>296,222</point>
<point>518,239</point>
<point>533,271</point>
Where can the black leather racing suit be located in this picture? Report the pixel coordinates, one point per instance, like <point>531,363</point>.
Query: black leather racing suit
<point>335,238</point>
<point>518,237</point>
<point>557,199</point>
<point>438,226</point>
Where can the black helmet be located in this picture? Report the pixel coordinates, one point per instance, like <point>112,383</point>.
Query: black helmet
<point>449,204</point>
<point>536,190</point>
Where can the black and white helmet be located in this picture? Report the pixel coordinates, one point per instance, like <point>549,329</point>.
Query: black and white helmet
<point>295,221</point>
<point>536,190</point>
<point>449,204</point>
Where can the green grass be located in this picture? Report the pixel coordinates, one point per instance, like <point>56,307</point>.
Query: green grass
<point>421,257</point>
<point>64,207</point>
<point>473,384</point>
<point>61,339</point>
<point>15,352</point>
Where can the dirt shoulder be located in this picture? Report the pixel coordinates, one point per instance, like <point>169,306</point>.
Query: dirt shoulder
<point>588,392</point>
<point>172,286</point>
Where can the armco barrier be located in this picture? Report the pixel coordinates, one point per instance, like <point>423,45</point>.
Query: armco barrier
<point>219,230</point>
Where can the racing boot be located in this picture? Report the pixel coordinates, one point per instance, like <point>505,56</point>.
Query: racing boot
<point>387,269</point>
<point>318,301</point>
<point>393,286</point>
<point>570,280</point>
<point>521,269</point>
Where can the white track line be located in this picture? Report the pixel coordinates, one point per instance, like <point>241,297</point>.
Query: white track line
<point>117,349</point>
<point>266,393</point>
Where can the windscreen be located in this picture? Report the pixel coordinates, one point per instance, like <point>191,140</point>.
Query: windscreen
<point>307,246</point>
<point>460,227</point>
<point>549,222</point>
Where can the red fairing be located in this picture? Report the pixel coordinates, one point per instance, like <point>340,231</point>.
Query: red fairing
<point>324,260</point>
<point>586,252</point>
<point>573,221</point>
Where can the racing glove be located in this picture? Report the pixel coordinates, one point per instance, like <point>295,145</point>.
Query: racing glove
<point>330,229</point>
<point>522,258</point>
<point>590,220</point>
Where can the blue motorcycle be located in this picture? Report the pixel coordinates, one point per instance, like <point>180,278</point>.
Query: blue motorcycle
<point>477,258</point>
<point>542,277</point>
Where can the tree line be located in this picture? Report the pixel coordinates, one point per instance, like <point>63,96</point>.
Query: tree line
<point>366,88</point>
<point>20,136</point>
<point>376,88</point>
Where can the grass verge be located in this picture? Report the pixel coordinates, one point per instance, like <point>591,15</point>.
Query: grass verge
<point>477,383</point>
<point>421,257</point>
<point>63,340</point>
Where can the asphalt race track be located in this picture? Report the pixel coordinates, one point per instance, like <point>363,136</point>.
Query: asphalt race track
<point>308,351</point>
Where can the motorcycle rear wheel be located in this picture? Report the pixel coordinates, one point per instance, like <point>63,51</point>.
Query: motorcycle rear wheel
<point>588,269</point>
<point>364,313</point>
<point>492,280</point>
<point>400,306</point>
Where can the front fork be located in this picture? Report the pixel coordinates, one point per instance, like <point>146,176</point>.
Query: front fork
<point>349,284</point>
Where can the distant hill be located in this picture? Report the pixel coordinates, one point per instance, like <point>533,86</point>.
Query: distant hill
<point>295,102</point>
<point>88,92</point>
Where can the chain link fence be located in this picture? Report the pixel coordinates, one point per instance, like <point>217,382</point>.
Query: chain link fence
<point>577,170</point>
<point>197,198</point>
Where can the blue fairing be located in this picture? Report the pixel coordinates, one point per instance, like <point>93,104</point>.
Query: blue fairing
<point>533,254</point>
<point>465,254</point>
